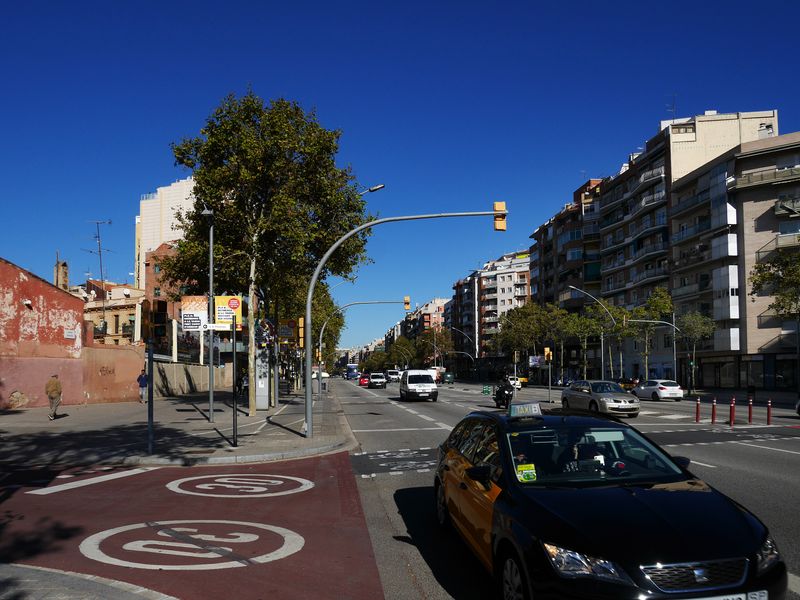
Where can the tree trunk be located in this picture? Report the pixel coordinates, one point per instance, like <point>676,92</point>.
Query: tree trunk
<point>646,354</point>
<point>562,362</point>
<point>584,347</point>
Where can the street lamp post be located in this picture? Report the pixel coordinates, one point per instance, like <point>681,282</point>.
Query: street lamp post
<point>602,348</point>
<point>473,345</point>
<point>674,335</point>
<point>209,214</point>
<point>309,430</point>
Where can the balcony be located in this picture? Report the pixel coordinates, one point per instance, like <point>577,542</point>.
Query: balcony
<point>691,231</point>
<point>490,319</point>
<point>684,205</point>
<point>485,297</point>
<point>782,240</point>
<point>647,201</point>
<point>772,176</point>
<point>650,274</point>
<point>620,262</point>
<point>490,330</point>
<point>614,286</point>
<point>648,250</point>
<point>692,260</point>
<point>591,231</point>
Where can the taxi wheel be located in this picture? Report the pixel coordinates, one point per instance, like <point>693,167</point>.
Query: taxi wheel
<point>442,514</point>
<point>512,579</point>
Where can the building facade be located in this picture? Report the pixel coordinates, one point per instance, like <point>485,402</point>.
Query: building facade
<point>725,217</point>
<point>634,219</point>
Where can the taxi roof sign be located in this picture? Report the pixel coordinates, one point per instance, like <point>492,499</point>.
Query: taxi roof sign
<point>521,410</point>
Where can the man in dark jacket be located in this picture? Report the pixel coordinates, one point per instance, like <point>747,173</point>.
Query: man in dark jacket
<point>53,391</point>
<point>142,381</point>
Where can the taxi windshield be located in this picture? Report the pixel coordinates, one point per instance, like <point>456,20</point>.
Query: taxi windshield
<point>585,455</point>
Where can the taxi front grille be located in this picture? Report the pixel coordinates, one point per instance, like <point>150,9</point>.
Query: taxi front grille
<point>691,577</point>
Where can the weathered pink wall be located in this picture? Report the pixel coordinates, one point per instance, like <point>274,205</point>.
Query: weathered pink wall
<point>48,337</point>
<point>110,372</point>
<point>51,326</point>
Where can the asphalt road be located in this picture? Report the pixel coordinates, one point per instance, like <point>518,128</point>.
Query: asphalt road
<point>754,464</point>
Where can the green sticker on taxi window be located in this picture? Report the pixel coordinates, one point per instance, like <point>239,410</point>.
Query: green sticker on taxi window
<point>526,473</point>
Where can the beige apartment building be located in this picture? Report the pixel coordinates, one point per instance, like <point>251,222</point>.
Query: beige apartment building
<point>502,285</point>
<point>725,216</point>
<point>634,220</point>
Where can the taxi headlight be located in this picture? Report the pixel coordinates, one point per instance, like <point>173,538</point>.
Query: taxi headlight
<point>768,555</point>
<point>569,563</point>
<point>606,400</point>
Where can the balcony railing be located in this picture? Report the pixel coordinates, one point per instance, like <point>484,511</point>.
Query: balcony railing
<point>646,201</point>
<point>694,259</point>
<point>690,202</point>
<point>649,249</point>
<point>782,240</point>
<point>691,231</point>
<point>767,177</point>
<point>650,273</point>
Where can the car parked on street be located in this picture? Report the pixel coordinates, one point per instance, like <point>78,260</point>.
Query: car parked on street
<point>600,396</point>
<point>377,380</point>
<point>569,505</point>
<point>659,389</point>
<point>418,384</point>
<point>363,380</point>
<point>626,383</point>
<point>393,375</point>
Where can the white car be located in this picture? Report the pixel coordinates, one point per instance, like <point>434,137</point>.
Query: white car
<point>515,381</point>
<point>314,374</point>
<point>658,389</point>
<point>393,375</point>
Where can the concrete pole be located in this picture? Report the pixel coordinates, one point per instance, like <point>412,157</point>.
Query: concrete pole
<point>211,320</point>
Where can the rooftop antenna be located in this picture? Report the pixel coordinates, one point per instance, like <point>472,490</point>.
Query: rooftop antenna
<point>673,108</point>
<point>99,253</point>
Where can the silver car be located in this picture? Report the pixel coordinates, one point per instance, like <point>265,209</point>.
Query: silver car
<point>600,396</point>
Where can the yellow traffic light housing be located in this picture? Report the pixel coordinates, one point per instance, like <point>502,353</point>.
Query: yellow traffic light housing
<point>500,216</point>
<point>301,330</point>
<point>548,355</point>
<point>407,302</point>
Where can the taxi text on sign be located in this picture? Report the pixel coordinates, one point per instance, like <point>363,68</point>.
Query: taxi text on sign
<point>226,307</point>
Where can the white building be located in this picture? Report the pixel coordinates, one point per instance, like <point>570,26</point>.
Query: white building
<point>156,222</point>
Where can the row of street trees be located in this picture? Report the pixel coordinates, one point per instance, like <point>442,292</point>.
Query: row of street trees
<point>268,173</point>
<point>427,349</point>
<point>529,328</point>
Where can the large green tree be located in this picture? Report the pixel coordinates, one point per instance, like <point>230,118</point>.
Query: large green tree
<point>269,174</point>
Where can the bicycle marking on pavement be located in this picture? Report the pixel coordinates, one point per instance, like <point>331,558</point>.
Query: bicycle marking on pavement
<point>246,485</point>
<point>90,481</point>
<point>192,548</point>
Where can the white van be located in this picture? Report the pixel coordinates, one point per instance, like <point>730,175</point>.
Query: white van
<point>418,384</point>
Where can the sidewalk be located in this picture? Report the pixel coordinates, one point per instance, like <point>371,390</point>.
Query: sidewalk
<point>117,433</point>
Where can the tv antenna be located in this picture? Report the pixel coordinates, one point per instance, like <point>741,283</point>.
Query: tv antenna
<point>673,108</point>
<point>99,253</point>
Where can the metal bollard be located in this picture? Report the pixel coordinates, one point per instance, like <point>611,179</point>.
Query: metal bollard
<point>750,410</point>
<point>697,411</point>
<point>733,411</point>
<point>714,410</point>
<point>769,411</point>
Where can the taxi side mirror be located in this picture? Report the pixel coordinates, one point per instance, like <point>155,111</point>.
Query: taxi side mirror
<point>482,474</point>
<point>682,461</point>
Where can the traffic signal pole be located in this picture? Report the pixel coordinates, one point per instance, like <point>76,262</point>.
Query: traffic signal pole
<point>499,216</point>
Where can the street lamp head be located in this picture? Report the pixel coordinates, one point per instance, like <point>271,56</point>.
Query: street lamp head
<point>374,188</point>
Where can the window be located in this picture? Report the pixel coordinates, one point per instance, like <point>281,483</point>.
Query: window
<point>157,269</point>
<point>667,340</point>
<point>471,438</point>
<point>157,292</point>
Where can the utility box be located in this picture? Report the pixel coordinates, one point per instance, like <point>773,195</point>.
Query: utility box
<point>262,380</point>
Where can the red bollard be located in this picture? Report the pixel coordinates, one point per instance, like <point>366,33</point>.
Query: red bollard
<point>733,411</point>
<point>697,411</point>
<point>750,410</point>
<point>714,410</point>
<point>769,411</point>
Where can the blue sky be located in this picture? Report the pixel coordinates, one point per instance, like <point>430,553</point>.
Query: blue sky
<point>452,105</point>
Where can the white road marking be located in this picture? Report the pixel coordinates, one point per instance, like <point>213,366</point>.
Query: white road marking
<point>768,448</point>
<point>427,418</point>
<point>445,426</point>
<point>697,462</point>
<point>648,412</point>
<point>92,480</point>
<point>403,429</point>
<point>243,485</point>
<point>794,583</point>
<point>90,547</point>
<point>413,412</point>
<point>675,417</point>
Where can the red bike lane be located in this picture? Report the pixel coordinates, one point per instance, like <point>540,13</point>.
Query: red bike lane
<point>292,529</point>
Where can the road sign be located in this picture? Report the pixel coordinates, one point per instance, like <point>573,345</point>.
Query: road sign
<point>217,326</point>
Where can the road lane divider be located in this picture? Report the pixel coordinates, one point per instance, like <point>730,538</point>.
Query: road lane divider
<point>90,481</point>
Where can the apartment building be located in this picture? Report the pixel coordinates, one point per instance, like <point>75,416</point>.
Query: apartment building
<point>634,220</point>
<point>725,216</point>
<point>502,285</point>
<point>428,316</point>
<point>156,222</point>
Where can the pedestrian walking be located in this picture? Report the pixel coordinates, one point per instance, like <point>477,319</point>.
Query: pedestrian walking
<point>142,381</point>
<point>53,391</point>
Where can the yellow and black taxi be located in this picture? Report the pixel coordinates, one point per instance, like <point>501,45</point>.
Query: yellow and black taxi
<point>568,505</point>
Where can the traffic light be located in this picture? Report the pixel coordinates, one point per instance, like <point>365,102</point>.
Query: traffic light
<point>301,330</point>
<point>691,363</point>
<point>548,355</point>
<point>499,216</point>
<point>407,302</point>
